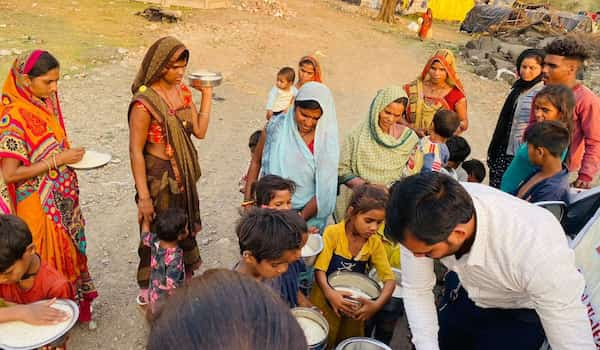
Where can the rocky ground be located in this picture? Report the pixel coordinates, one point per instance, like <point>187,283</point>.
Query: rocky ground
<point>248,45</point>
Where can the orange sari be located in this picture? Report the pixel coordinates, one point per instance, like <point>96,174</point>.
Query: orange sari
<point>426,27</point>
<point>32,130</point>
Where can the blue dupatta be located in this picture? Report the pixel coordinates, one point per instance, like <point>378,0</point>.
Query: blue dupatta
<point>287,155</point>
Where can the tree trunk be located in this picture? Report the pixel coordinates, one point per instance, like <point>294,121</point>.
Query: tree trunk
<point>387,11</point>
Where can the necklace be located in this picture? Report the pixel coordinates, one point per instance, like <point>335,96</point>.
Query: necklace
<point>165,95</point>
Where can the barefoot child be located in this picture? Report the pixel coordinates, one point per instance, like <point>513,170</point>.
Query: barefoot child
<point>269,242</point>
<point>275,192</point>
<point>26,279</point>
<point>282,94</point>
<point>166,259</point>
<point>546,142</point>
<point>350,246</point>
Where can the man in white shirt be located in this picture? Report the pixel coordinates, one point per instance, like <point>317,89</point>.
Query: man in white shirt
<point>515,280</point>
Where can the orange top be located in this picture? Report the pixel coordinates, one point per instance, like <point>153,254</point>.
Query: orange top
<point>48,284</point>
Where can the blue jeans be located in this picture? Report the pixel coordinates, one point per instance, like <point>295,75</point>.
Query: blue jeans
<point>465,326</point>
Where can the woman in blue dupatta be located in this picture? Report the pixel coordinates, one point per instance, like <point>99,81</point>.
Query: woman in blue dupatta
<point>303,146</point>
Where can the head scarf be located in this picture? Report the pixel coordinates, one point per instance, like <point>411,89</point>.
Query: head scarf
<point>286,154</point>
<point>31,128</point>
<point>500,139</point>
<point>156,59</point>
<point>445,58</point>
<point>370,153</point>
<point>318,77</point>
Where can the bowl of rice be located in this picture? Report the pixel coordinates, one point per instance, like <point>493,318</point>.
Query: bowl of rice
<point>358,284</point>
<point>314,326</point>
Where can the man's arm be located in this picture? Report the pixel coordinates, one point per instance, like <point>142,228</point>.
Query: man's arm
<point>589,118</point>
<point>556,289</point>
<point>418,280</point>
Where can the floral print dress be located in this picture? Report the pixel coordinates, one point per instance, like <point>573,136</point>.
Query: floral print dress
<point>167,271</point>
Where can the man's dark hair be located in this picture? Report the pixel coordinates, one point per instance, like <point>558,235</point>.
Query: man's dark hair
<point>15,237</point>
<point>288,73</point>
<point>429,206</point>
<point>268,233</point>
<point>475,168</point>
<point>254,138</point>
<point>170,224</point>
<point>459,149</point>
<point>445,122</point>
<point>569,47</point>
<point>268,185</point>
<point>551,135</point>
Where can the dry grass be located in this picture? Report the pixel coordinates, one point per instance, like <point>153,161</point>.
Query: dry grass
<point>577,5</point>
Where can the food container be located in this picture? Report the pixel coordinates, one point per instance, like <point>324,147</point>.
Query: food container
<point>395,304</point>
<point>314,326</point>
<point>206,78</point>
<point>361,343</point>
<point>358,284</point>
<point>312,248</point>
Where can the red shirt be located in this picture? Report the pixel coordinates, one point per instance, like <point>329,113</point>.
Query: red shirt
<point>453,97</point>
<point>48,284</point>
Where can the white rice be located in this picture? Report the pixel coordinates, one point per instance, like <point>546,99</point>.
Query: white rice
<point>355,292</point>
<point>313,332</point>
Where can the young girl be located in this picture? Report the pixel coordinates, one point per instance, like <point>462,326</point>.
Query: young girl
<point>350,246</point>
<point>554,102</point>
<point>166,262</point>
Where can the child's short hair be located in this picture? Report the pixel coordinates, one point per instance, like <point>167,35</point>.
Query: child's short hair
<point>268,233</point>
<point>367,197</point>
<point>549,134</point>
<point>459,149</point>
<point>170,224</point>
<point>254,138</point>
<point>265,188</point>
<point>563,99</point>
<point>288,73</point>
<point>445,122</point>
<point>475,168</point>
<point>15,237</point>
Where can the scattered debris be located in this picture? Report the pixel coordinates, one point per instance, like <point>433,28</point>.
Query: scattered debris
<point>157,14</point>
<point>273,8</point>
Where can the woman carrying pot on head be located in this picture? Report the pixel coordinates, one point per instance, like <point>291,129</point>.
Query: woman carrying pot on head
<point>162,120</point>
<point>437,87</point>
<point>514,117</point>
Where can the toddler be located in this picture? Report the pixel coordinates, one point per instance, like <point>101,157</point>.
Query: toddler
<point>282,94</point>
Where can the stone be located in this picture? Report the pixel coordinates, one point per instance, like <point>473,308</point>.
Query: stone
<point>489,43</point>
<point>473,45</point>
<point>486,70</point>
<point>511,51</point>
<point>506,75</point>
<point>475,53</point>
<point>122,51</point>
<point>502,64</point>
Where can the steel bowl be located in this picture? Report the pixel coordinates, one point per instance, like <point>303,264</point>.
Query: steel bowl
<point>361,343</point>
<point>206,78</point>
<point>355,282</point>
<point>315,316</point>
<point>312,249</point>
<point>395,305</point>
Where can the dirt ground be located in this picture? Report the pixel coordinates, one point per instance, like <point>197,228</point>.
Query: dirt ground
<point>359,57</point>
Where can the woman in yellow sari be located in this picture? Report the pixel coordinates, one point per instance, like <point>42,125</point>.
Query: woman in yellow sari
<point>437,87</point>
<point>37,185</point>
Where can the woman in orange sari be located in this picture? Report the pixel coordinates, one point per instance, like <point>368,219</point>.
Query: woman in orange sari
<point>426,25</point>
<point>437,87</point>
<point>37,185</point>
<point>309,69</point>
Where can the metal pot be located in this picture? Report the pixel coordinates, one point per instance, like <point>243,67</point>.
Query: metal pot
<point>361,343</point>
<point>206,79</point>
<point>395,304</point>
<point>315,316</point>
<point>314,246</point>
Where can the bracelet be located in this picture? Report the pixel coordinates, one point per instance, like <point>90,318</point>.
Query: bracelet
<point>54,160</point>
<point>47,164</point>
<point>247,203</point>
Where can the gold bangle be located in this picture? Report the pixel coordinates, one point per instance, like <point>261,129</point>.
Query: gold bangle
<point>247,203</point>
<point>47,164</point>
<point>54,160</point>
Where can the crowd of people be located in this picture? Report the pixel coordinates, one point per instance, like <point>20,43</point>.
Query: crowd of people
<point>398,191</point>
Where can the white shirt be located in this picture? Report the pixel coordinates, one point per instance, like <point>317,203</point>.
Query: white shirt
<point>520,259</point>
<point>280,100</point>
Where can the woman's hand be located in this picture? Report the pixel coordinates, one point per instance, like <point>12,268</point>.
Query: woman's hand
<point>70,156</point>
<point>205,90</point>
<point>368,309</point>
<point>145,210</point>
<point>339,301</point>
